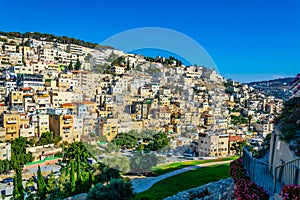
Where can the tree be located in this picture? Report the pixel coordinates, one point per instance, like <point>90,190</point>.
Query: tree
<point>46,138</point>
<point>17,152</point>
<point>63,186</point>
<point>72,179</point>
<point>77,148</point>
<point>160,140</point>
<point>125,140</point>
<point>120,163</point>
<point>90,179</point>
<point>29,184</point>
<point>77,65</point>
<point>51,186</point>
<point>249,121</point>
<point>70,66</point>
<point>112,56</point>
<point>16,192</point>
<point>41,184</point>
<point>19,182</point>
<point>88,57</point>
<point>116,189</point>
<point>127,64</point>
<point>78,175</point>
<point>107,174</point>
<point>238,147</point>
<point>142,162</point>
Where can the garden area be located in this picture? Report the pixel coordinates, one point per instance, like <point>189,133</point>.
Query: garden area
<point>184,181</point>
<point>163,169</point>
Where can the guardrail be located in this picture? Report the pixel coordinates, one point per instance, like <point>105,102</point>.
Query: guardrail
<point>271,178</point>
<point>258,171</point>
<point>287,173</point>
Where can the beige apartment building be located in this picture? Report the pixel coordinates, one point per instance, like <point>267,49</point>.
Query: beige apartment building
<point>11,123</point>
<point>59,98</point>
<point>5,151</point>
<point>16,98</point>
<point>40,123</point>
<point>26,128</point>
<point>213,145</point>
<point>43,101</point>
<point>108,128</point>
<point>63,126</point>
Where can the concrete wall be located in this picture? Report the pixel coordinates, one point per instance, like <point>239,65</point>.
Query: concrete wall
<point>279,150</point>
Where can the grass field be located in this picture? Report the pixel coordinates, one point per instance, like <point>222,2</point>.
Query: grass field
<point>162,169</point>
<point>184,181</point>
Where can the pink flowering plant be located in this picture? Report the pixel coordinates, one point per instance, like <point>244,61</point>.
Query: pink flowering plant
<point>244,188</point>
<point>237,170</point>
<point>290,192</point>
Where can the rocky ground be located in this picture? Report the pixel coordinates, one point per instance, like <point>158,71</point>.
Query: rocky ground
<point>221,190</point>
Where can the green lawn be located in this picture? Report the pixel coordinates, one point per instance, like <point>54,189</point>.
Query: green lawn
<point>162,169</point>
<point>184,181</point>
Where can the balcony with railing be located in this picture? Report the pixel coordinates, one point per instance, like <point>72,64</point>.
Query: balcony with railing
<point>67,121</point>
<point>66,130</point>
<point>11,130</point>
<point>11,121</point>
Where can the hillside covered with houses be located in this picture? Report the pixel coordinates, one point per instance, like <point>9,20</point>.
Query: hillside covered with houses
<point>52,85</point>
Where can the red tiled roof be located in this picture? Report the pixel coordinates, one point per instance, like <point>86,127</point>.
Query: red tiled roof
<point>80,71</point>
<point>25,88</point>
<point>88,102</point>
<point>68,104</point>
<point>67,117</point>
<point>235,138</point>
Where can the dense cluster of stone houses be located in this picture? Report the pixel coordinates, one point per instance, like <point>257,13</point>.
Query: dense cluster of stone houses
<point>38,93</point>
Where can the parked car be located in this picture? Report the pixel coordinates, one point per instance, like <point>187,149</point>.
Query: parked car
<point>8,180</point>
<point>56,173</point>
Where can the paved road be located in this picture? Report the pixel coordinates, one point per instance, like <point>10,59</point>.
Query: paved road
<point>143,184</point>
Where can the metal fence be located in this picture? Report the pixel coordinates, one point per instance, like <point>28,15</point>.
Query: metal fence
<point>287,173</point>
<point>258,171</point>
<point>271,178</point>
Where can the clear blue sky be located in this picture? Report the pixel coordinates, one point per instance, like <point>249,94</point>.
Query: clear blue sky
<point>248,40</point>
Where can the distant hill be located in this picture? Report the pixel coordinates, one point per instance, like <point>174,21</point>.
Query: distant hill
<point>279,88</point>
<point>53,38</point>
<point>279,81</point>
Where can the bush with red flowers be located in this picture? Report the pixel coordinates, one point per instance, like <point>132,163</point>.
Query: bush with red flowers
<point>290,192</point>
<point>244,188</point>
<point>237,170</point>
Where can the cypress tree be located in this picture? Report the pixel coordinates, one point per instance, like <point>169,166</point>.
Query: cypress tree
<point>72,178</point>
<point>41,184</point>
<point>77,65</point>
<point>70,67</point>
<point>19,182</point>
<point>90,179</point>
<point>16,193</point>
<point>78,173</point>
<point>51,185</point>
<point>127,67</point>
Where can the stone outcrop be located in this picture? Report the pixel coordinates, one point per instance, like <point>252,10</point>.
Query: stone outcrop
<point>222,190</point>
